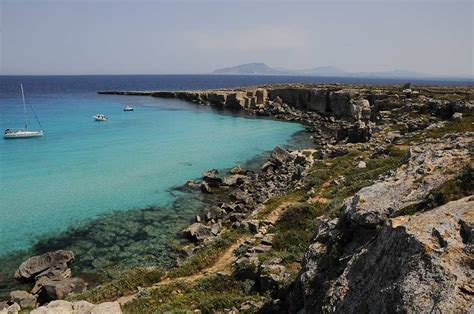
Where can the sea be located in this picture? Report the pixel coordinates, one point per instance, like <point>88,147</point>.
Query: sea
<point>110,191</point>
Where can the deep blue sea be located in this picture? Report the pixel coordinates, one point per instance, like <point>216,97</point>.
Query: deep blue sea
<point>81,170</point>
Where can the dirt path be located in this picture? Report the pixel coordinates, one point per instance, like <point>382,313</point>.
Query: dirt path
<point>221,265</point>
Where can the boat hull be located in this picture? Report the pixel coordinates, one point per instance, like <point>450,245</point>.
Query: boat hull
<point>23,134</point>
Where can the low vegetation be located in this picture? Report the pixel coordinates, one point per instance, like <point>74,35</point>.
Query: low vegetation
<point>464,125</point>
<point>207,256</point>
<point>450,190</point>
<point>126,283</point>
<point>329,182</point>
<point>212,293</point>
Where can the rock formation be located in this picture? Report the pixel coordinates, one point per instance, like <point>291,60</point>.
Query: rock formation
<point>378,259</point>
<point>52,279</point>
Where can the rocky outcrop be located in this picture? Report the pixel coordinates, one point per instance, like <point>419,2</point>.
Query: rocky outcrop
<point>377,258</point>
<point>338,103</point>
<point>426,167</point>
<point>79,307</point>
<point>24,299</point>
<point>415,264</point>
<point>51,275</point>
<point>48,264</point>
<point>246,191</point>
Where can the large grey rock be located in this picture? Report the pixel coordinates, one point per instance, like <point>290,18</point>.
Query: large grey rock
<point>106,308</point>
<point>60,289</point>
<point>279,156</point>
<point>78,307</point>
<point>24,299</point>
<point>12,309</point>
<point>235,179</point>
<point>37,264</point>
<point>198,231</point>
<point>426,168</point>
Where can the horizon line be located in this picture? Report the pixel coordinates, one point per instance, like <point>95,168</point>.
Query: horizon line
<point>430,78</point>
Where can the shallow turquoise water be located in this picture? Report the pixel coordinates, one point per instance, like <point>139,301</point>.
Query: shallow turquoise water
<point>81,169</point>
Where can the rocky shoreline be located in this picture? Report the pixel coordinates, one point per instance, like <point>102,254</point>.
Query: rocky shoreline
<point>348,242</point>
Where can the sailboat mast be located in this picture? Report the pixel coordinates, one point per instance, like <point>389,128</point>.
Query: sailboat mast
<point>24,107</point>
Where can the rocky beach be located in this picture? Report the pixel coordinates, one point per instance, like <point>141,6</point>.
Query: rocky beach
<point>375,215</point>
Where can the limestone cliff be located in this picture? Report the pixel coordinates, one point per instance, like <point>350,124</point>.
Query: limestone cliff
<point>378,259</point>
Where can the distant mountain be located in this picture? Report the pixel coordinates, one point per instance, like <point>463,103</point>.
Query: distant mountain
<point>323,71</point>
<point>260,68</point>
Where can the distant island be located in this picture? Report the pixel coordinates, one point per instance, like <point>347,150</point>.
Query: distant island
<point>260,68</point>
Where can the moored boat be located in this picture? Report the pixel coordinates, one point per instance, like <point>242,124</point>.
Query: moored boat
<point>128,108</point>
<point>100,117</point>
<point>21,133</point>
<point>25,133</point>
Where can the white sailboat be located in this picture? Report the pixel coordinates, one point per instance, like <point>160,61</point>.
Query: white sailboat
<point>9,133</point>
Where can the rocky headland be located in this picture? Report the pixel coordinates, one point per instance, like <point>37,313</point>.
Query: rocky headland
<point>376,216</point>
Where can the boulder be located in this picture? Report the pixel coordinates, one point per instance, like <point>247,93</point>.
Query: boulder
<point>106,308</point>
<point>37,264</point>
<point>210,174</point>
<point>271,277</point>
<point>3,305</point>
<point>59,307</point>
<point>361,109</point>
<point>237,170</point>
<point>211,179</point>
<point>253,225</point>
<point>205,187</point>
<point>24,299</point>
<point>198,231</point>
<point>267,165</point>
<point>60,289</point>
<point>79,307</point>
<point>215,213</point>
<point>359,133</point>
<point>279,156</point>
<point>233,180</point>
<point>12,309</point>
<point>56,272</point>
<point>456,116</point>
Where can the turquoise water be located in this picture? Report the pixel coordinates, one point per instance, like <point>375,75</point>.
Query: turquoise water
<point>82,169</point>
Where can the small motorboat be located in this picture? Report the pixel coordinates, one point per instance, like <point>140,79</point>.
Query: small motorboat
<point>128,108</point>
<point>100,117</point>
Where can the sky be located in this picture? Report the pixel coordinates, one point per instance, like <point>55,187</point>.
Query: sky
<point>46,37</point>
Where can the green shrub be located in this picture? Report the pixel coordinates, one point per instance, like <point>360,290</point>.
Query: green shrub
<point>124,284</point>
